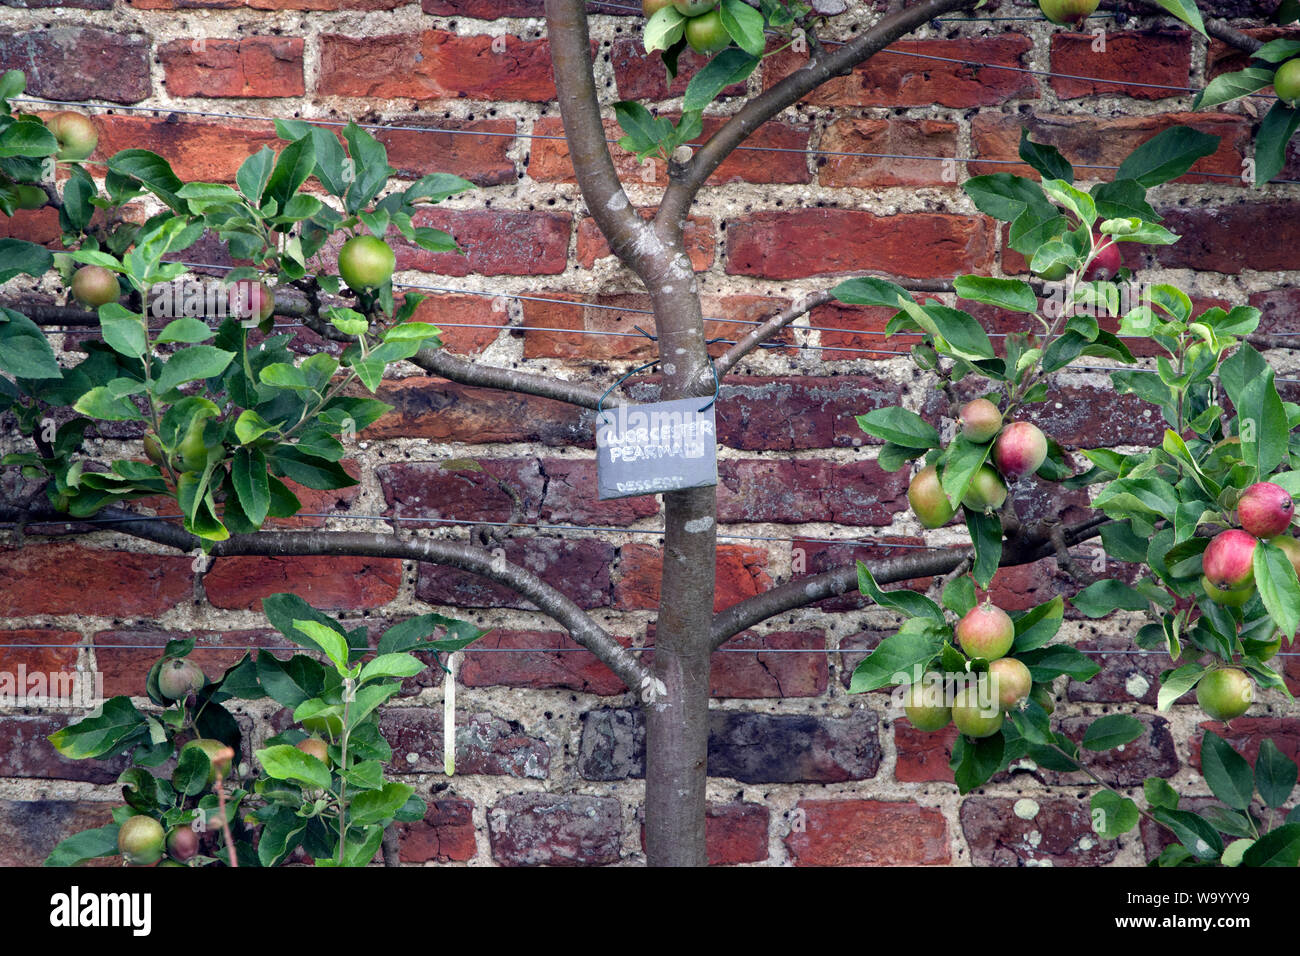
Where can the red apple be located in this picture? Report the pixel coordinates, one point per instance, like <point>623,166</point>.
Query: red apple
<point>986,631</point>
<point>1010,682</point>
<point>1105,264</point>
<point>1020,449</point>
<point>1265,510</point>
<point>1229,560</point>
<point>980,420</point>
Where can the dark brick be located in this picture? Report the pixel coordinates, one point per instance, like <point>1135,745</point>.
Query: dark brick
<point>1060,832</point>
<point>773,665</point>
<point>31,829</point>
<point>1151,755</point>
<point>25,751</point>
<point>80,63</point>
<point>547,829</point>
<point>446,833</point>
<point>805,490</point>
<point>578,567</point>
<point>485,744</point>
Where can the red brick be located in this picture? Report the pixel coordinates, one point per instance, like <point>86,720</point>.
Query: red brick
<point>842,341</point>
<point>543,317</point>
<point>1279,310</point>
<point>1096,145</point>
<point>477,150</point>
<point>442,411</point>
<point>923,755</point>
<point>1256,235</point>
<point>1024,586</point>
<point>64,578</point>
<point>780,160</point>
<point>45,660</point>
<point>804,490</point>
<point>25,751</point>
<point>567,667</point>
<point>904,76</point>
<point>780,664</point>
<point>80,63</point>
<point>494,243</point>
<point>571,496</point>
<point>867,833</point>
<point>811,242</point>
<point>125,664</point>
<point>469,323</point>
<point>577,567</point>
<point>435,65</point>
<point>40,226</point>
<point>1152,755</point>
<point>551,829</point>
<point>890,138</point>
<point>197,150</point>
<point>1124,670</point>
<point>740,573</point>
<point>1060,832</point>
<point>1160,57</point>
<point>31,829</point>
<point>733,833</point>
<point>246,67</point>
<point>643,77</point>
<point>1246,734</point>
<point>487,489</point>
<point>446,833</point>
<point>698,236</point>
<point>327,583</point>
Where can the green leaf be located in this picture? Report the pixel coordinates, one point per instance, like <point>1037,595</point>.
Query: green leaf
<point>86,845</point>
<point>1048,663</point>
<point>102,735</point>
<point>745,25</point>
<point>436,187</point>
<point>1275,775</point>
<point>1075,200</point>
<point>289,683</point>
<point>1103,597</point>
<point>20,257</point>
<point>312,472</point>
<point>664,28</point>
<point>1277,847</point>
<point>187,365</point>
<point>1248,380</point>
<point>1010,294</point>
<point>410,635</point>
<point>957,333</point>
<point>1275,132</point>
<point>1160,794</point>
<point>248,471</point>
<point>901,599</point>
<point>1277,51</point>
<point>327,639</point>
<point>1113,815</point>
<point>284,762</point>
<point>1178,683</point>
<point>153,172</point>
<point>27,138</point>
<point>1038,625</point>
<point>871,291</point>
<point>192,769</point>
<point>295,165</point>
<point>254,172</point>
<point>101,403</point>
<point>959,595</point>
<point>1275,578</point>
<point>370,697</point>
<point>899,657</point>
<point>1046,160</point>
<point>1230,86</point>
<point>974,761</point>
<point>378,806</point>
<point>1194,833</point>
<point>1123,199</point>
<point>391,665</point>
<point>986,535</point>
<point>1169,154</point>
<point>730,66</point>
<point>900,427</point>
<point>24,350</point>
<point>187,330</point>
<point>1111,731</point>
<point>280,836</point>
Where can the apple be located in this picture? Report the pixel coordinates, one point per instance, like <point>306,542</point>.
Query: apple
<point>1010,682</point>
<point>140,840</point>
<point>183,844</point>
<point>980,420</point>
<point>1106,262</point>
<point>706,34</point>
<point>1068,11</point>
<point>75,133</point>
<point>925,704</point>
<point>1054,273</point>
<point>1229,560</point>
<point>1228,597</point>
<point>177,677</point>
<point>976,714</point>
<point>927,499</point>
<point>1286,81</point>
<point>366,262</point>
<point>651,7</point>
<point>987,491</point>
<point>1290,547</point>
<point>694,8</point>
<point>251,301</point>
<point>1265,509</point>
<point>1225,693</point>
<point>94,286</point>
<point>316,748</point>
<point>1020,449</point>
<point>218,754</point>
<point>986,631</point>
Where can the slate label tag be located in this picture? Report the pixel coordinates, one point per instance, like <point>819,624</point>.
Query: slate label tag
<point>650,449</point>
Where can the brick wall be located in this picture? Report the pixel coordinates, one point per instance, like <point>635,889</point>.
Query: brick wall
<point>550,744</point>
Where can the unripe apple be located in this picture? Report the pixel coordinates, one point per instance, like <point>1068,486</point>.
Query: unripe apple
<point>980,420</point>
<point>1229,560</point>
<point>1290,547</point>
<point>1265,509</point>
<point>1286,81</point>
<point>140,840</point>
<point>1106,263</point>
<point>366,262</point>
<point>1068,11</point>
<point>316,748</point>
<point>177,677</point>
<point>183,844</point>
<point>986,631</point>
<point>1225,693</point>
<point>987,491</point>
<point>1010,682</point>
<point>218,754</point>
<point>925,705</point>
<point>1020,449</point>
<point>75,133</point>
<point>694,8</point>
<point>706,33</point>
<point>651,7</point>
<point>1228,597</point>
<point>925,495</point>
<point>976,714</point>
<point>95,286</point>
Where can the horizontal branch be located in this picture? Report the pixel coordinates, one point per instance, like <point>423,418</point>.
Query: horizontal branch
<point>486,564</point>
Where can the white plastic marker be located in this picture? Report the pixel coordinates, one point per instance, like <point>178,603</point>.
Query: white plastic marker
<point>449,715</point>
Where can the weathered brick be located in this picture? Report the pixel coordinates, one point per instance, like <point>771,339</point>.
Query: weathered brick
<point>79,63</point>
<point>1058,832</point>
<point>740,573</point>
<point>641,77</point>
<point>435,64</point>
<point>59,660</point>
<point>125,663</point>
<point>1096,145</point>
<point>1161,58</point>
<point>31,829</point>
<point>446,833</point>
<point>733,833</point>
<point>1229,238</point>
<point>468,323</point>
<point>306,5</point>
<point>1155,837</point>
<point>779,664</point>
<point>64,578</point>
<point>868,833</point>
<point>485,744</point>
<point>197,150</point>
<point>492,9</point>
<point>698,238</point>
<point>489,489</point>
<point>612,744</point>
<point>1247,734</point>
<point>494,242</point>
<point>805,490</point>
<point>1223,58</point>
<point>567,667</point>
<point>1279,310</point>
<point>923,755</point>
<point>571,496</point>
<point>909,74</point>
<point>40,226</point>
<point>811,242</point>
<point>1151,755</point>
<point>477,150</point>
<point>550,829</point>
<point>578,567</point>
<point>260,66</point>
<point>326,583</point>
<point>889,138</point>
<point>25,751</point>
<point>442,411</point>
<point>603,331</point>
<point>1127,674</point>
<point>852,332</point>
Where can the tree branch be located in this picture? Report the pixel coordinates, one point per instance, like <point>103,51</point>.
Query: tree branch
<point>821,67</point>
<point>548,600</point>
<point>761,333</point>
